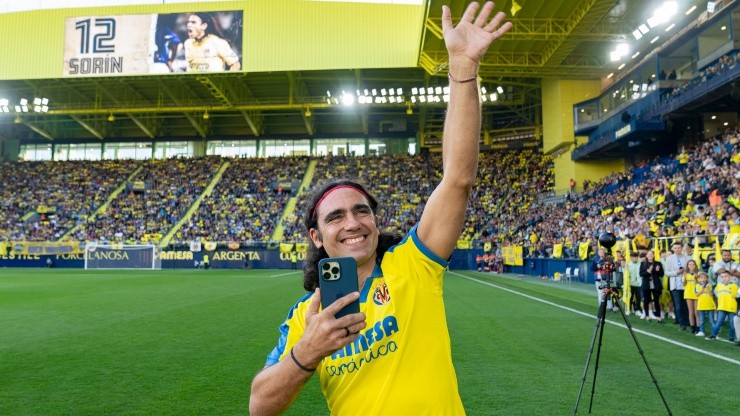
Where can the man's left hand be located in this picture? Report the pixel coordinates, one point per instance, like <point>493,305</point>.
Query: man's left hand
<point>473,35</point>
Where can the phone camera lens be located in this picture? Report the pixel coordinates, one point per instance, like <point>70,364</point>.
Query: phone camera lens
<point>335,270</point>
<point>327,275</point>
<point>326,266</point>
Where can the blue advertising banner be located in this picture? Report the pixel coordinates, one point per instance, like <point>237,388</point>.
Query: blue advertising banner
<point>186,259</point>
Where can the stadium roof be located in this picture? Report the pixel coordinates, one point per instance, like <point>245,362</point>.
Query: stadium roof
<point>569,39</point>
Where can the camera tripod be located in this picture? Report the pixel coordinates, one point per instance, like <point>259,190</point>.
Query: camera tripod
<point>613,295</point>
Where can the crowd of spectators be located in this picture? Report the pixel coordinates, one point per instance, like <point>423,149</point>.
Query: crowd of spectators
<point>146,215</point>
<point>42,201</point>
<point>246,203</point>
<point>693,193</point>
<point>683,84</point>
<point>507,186</point>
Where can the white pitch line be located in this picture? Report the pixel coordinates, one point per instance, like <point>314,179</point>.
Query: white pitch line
<point>284,274</point>
<point>668,340</point>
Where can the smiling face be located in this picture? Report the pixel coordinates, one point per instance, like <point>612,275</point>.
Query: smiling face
<point>346,227</point>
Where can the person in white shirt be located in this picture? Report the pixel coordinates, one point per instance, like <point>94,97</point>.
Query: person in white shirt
<point>726,263</point>
<point>635,301</point>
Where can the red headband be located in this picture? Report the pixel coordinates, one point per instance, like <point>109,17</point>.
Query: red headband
<point>316,207</point>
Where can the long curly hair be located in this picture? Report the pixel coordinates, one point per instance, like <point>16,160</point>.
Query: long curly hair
<point>314,254</point>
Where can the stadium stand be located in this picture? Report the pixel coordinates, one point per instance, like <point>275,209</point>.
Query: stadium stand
<point>658,197</point>
<point>41,201</point>
<point>146,213</point>
<point>246,203</point>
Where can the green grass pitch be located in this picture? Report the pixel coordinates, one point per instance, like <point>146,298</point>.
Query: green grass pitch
<point>188,342</point>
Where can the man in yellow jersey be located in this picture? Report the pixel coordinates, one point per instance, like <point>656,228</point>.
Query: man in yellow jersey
<point>205,51</point>
<point>394,357</point>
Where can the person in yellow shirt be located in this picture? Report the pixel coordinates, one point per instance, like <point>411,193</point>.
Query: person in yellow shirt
<point>205,51</point>
<point>690,296</point>
<point>726,294</point>
<point>705,302</point>
<point>382,361</point>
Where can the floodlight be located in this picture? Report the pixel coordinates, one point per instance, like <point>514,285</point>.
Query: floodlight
<point>348,99</point>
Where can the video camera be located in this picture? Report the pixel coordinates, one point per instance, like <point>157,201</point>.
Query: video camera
<point>606,267</point>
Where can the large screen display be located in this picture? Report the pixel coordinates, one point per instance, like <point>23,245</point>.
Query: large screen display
<point>153,43</point>
<point>244,35</point>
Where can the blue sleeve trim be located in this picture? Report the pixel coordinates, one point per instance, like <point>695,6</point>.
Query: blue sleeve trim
<point>274,356</point>
<point>415,238</point>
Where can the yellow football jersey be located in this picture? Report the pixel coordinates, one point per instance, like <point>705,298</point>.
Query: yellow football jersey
<point>401,363</point>
<point>726,294</point>
<point>209,54</point>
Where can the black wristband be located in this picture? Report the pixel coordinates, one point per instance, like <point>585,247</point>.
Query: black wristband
<point>301,366</point>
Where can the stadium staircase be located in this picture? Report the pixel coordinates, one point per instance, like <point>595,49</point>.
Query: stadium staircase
<point>105,205</point>
<point>289,209</point>
<point>194,207</point>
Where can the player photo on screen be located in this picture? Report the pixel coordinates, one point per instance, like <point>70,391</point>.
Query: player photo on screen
<point>198,42</point>
<point>153,43</point>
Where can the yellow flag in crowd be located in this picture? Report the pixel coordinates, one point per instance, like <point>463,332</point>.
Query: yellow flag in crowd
<point>626,274</point>
<point>515,7</point>
<point>557,250</point>
<point>697,254</point>
<point>717,251</point>
<point>656,250</point>
<point>583,250</point>
<point>286,247</point>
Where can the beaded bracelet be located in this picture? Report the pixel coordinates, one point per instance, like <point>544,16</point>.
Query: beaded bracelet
<point>461,80</point>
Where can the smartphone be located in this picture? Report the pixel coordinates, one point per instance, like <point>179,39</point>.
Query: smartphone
<point>338,278</point>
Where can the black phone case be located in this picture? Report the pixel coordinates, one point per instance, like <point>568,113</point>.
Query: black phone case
<point>338,278</point>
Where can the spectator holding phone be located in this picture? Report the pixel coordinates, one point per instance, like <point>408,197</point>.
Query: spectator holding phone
<point>675,269</point>
<point>652,273</point>
<point>381,360</point>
